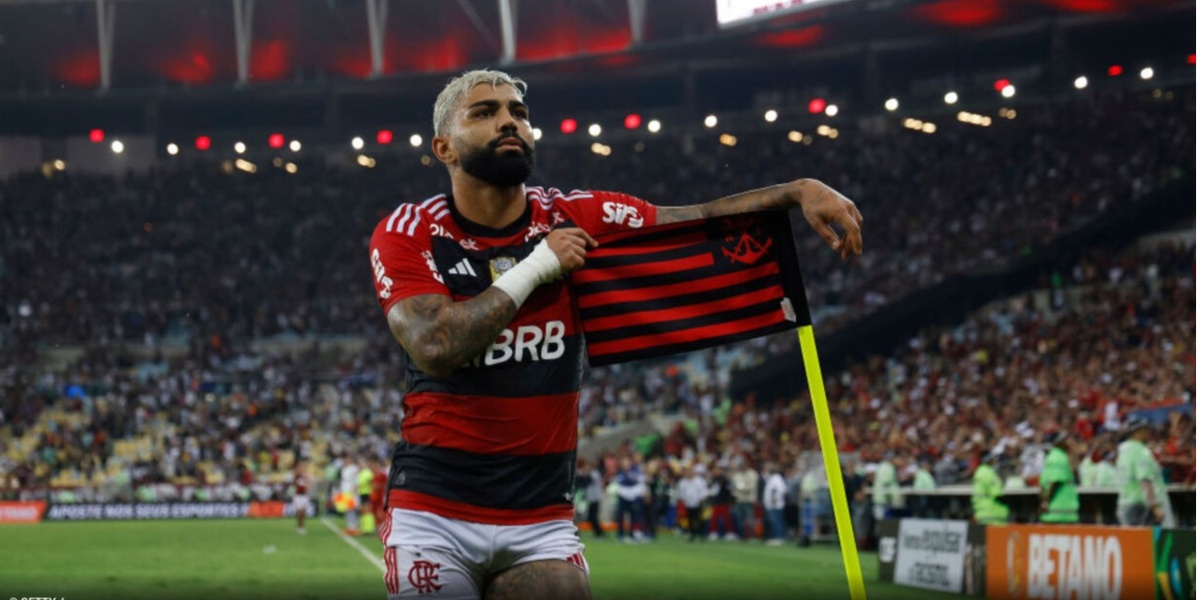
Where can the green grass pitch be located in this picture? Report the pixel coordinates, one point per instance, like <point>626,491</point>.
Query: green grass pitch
<point>244,559</point>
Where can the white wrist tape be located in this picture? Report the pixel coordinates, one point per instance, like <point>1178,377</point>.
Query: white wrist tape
<point>541,266</point>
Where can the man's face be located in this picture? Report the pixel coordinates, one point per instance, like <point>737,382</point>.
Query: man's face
<point>491,136</point>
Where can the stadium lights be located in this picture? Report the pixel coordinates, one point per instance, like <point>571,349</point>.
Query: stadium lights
<point>831,110</point>
<point>366,161</point>
<point>294,146</point>
<point>60,165</point>
<point>654,126</point>
<point>1115,70</point>
<point>1147,73</point>
<point>974,119</point>
<point>275,140</point>
<point>1008,91</point>
<point>239,147</point>
<point>827,131</point>
<point>384,136</point>
<point>710,121</point>
<point>118,147</point>
<point>1008,113</point>
<point>1001,84</point>
<point>96,136</point>
<point>1192,58</point>
<point>795,136</point>
<point>357,143</point>
<point>816,106</point>
<point>633,121</point>
<point>601,149</point>
<point>919,125</point>
<point>891,104</point>
<point>594,129</point>
<point>1081,82</point>
<point>291,168</point>
<point>728,140</point>
<point>568,126</point>
<point>172,149</point>
<point>203,143</point>
<point>537,133</point>
<point>415,140</point>
<point>245,165</point>
<point>770,116</point>
<point>951,97</point>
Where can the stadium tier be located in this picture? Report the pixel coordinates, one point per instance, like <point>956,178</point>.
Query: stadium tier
<point>196,238</point>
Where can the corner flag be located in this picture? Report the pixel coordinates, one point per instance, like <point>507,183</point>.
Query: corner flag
<point>686,286</point>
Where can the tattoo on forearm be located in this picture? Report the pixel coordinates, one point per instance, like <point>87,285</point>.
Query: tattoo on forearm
<point>776,197</point>
<point>442,335</point>
<point>539,580</point>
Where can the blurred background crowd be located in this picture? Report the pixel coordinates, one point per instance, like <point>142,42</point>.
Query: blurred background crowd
<point>193,333</point>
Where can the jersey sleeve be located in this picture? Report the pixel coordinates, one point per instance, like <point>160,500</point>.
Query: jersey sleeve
<point>603,212</point>
<point>402,264</point>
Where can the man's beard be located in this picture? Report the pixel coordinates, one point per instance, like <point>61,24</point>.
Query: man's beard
<point>501,169</point>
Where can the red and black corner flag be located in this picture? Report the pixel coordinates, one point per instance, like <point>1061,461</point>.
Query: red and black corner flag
<point>685,286</point>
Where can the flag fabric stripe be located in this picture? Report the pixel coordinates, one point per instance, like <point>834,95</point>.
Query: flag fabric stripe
<point>686,286</point>
<point>686,240</point>
<point>671,313</point>
<point>591,315</point>
<point>687,263</point>
<point>723,328</point>
<point>725,313</point>
<point>695,282</point>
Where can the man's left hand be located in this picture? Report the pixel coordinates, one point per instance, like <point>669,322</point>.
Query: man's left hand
<point>824,206</point>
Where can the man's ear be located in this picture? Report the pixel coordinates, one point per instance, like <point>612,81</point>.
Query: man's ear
<point>444,150</point>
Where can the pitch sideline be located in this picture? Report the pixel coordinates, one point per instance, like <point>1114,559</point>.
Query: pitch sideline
<point>374,560</point>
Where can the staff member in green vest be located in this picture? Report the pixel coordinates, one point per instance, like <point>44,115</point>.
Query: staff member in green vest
<point>1142,496</point>
<point>1060,499</point>
<point>923,481</point>
<point>985,500</point>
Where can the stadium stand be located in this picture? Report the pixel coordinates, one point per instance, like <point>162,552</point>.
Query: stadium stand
<point>203,327</point>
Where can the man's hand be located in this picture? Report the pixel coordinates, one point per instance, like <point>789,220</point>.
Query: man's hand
<point>1159,513</point>
<point>823,206</point>
<point>570,245</point>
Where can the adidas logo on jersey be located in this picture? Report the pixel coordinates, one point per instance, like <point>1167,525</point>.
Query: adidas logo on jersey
<point>463,268</point>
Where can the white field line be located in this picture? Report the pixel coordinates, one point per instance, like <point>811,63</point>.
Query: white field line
<point>377,561</point>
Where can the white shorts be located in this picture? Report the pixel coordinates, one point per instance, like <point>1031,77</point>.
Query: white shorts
<point>428,556</point>
<point>300,502</point>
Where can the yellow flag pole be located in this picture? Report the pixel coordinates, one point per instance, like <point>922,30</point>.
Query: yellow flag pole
<point>833,468</point>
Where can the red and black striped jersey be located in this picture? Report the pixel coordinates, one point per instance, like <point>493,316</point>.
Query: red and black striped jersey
<point>495,441</point>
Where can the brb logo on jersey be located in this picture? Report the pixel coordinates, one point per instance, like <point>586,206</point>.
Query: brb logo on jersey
<point>528,342</point>
<point>620,213</point>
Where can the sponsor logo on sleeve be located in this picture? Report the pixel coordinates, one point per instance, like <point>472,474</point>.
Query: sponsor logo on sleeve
<point>622,214</point>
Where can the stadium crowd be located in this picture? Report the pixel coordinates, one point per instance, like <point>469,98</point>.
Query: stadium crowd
<point>218,264</point>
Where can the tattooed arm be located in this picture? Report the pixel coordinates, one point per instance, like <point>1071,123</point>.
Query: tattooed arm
<point>441,335</point>
<point>822,206</point>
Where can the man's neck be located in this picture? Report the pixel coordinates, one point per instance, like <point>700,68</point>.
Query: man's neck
<point>486,204</point>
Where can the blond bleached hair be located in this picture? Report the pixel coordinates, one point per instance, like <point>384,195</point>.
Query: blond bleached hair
<point>460,86</point>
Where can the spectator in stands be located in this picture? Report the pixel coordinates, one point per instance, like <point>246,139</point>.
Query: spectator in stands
<point>590,484</point>
<point>631,493</point>
<point>720,493</point>
<point>774,493</point>
<point>693,491</point>
<point>745,497</point>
